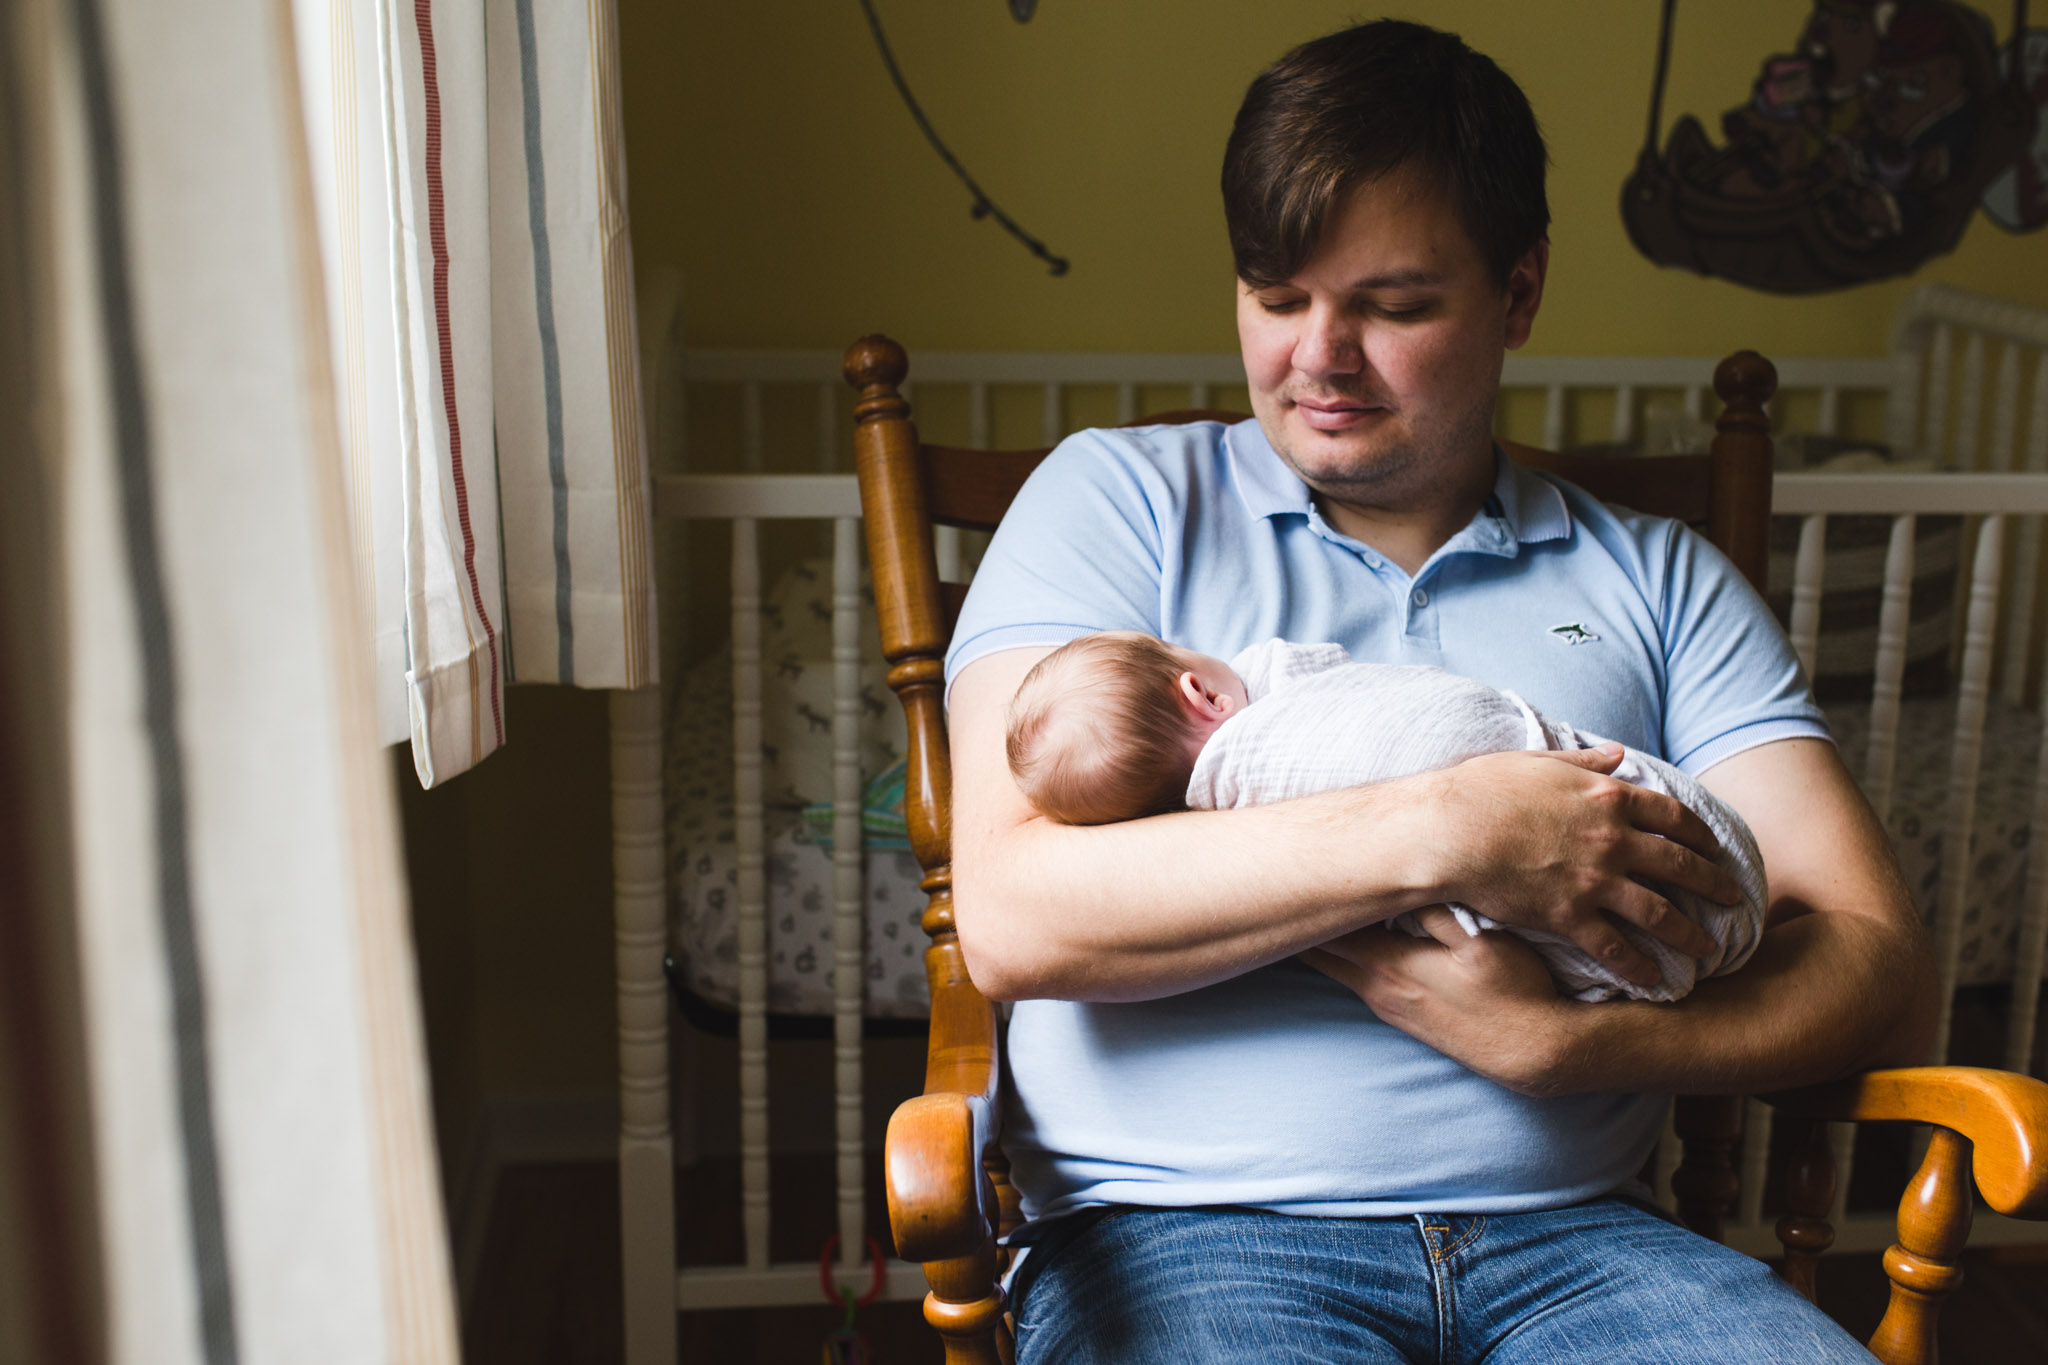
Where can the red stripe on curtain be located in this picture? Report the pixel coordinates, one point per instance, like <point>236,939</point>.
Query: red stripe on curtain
<point>423,14</point>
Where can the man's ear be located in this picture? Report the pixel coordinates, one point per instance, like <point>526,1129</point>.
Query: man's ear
<point>1525,292</point>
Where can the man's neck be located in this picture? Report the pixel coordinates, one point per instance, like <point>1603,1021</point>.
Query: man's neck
<point>1408,536</point>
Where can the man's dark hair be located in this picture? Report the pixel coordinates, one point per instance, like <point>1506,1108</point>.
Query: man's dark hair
<point>1345,110</point>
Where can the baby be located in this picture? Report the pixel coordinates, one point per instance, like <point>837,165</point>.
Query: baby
<point>1120,724</point>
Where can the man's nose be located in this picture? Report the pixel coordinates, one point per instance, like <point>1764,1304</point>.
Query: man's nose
<point>1328,345</point>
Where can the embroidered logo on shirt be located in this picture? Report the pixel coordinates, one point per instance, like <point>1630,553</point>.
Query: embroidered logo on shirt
<point>1574,633</point>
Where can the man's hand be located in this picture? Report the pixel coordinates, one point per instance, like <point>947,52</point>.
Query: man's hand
<point>1551,842</point>
<point>1486,1000</point>
<point>1842,979</point>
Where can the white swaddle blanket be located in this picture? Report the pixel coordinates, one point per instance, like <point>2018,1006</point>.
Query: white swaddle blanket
<point>1321,721</point>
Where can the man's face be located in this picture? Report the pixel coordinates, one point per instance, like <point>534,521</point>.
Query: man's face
<point>1373,372</point>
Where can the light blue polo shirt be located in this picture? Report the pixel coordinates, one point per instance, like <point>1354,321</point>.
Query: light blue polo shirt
<point>1279,1089</point>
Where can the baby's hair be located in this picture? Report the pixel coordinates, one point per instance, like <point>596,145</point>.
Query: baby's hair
<point>1097,732</point>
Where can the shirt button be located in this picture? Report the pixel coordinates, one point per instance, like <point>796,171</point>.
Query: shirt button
<point>1421,598</point>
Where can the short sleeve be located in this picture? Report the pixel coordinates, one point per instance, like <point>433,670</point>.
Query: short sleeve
<point>1080,549</point>
<point>1732,681</point>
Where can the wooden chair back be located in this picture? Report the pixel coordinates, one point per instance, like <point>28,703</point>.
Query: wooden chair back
<point>947,1178</point>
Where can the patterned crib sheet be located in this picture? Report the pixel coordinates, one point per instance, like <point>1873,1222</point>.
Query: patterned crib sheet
<point>703,861</point>
<point>1918,818</point>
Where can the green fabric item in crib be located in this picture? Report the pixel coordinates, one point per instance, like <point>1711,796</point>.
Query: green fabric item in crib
<point>881,814</point>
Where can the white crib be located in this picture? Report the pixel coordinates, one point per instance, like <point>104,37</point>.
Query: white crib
<point>1965,390</point>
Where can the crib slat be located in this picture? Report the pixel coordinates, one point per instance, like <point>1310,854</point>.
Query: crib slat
<point>1970,404</point>
<point>752,459</point>
<point>1553,417</point>
<point>1198,395</point>
<point>977,414</point>
<point>2005,408</point>
<point>1934,411</point>
<point>1126,404</point>
<point>2018,633</point>
<point>1051,419</point>
<point>1624,428</point>
<point>946,548</point>
<point>1971,695</point>
<point>848,961</point>
<point>1756,1158</point>
<point>2019,607</point>
<point>1829,423</point>
<point>1807,569</point>
<point>2031,949</point>
<point>749,842</point>
<point>2037,417</point>
<point>828,428</point>
<point>640,930</point>
<point>1842,1146</point>
<point>1696,401</point>
<point>1893,618</point>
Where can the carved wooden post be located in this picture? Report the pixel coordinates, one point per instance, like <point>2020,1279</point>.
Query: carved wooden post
<point>966,1303</point>
<point>1804,1231</point>
<point>1934,1223</point>
<point>1704,1182</point>
<point>1745,382</point>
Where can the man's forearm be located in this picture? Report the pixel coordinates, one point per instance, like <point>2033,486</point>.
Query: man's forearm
<point>1154,907</point>
<point>1766,1027</point>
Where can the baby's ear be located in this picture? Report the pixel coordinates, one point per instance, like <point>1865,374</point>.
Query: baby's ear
<point>1191,692</point>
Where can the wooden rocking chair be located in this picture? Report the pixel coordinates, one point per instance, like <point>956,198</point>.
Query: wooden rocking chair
<point>948,1186</point>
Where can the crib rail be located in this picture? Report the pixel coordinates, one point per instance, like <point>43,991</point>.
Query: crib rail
<point>763,379</point>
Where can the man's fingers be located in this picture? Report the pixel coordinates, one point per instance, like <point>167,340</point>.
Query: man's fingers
<point>1604,943</point>
<point>1668,816</point>
<point>1601,758</point>
<point>1660,860</point>
<point>1442,926</point>
<point>1656,916</point>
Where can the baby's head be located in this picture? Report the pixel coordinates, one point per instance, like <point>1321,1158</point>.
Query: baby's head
<point>1107,727</point>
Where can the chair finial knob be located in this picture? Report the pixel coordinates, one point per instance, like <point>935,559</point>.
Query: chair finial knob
<point>1745,381</point>
<point>875,360</point>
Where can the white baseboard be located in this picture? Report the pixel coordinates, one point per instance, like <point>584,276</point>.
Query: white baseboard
<point>526,1130</point>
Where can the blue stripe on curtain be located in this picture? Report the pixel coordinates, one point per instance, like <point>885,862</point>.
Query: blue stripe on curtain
<point>550,356</point>
<point>132,454</point>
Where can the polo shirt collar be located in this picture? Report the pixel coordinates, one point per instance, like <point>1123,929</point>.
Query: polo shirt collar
<point>1531,506</point>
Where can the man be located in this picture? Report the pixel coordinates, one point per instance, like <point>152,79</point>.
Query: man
<point>1225,1156</point>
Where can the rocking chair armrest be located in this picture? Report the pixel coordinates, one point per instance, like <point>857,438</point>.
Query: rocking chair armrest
<point>941,1203</point>
<point>2002,1113</point>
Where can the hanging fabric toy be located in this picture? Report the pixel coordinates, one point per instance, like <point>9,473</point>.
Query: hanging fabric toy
<point>849,1345</point>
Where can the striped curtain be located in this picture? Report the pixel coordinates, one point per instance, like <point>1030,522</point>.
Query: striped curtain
<point>263,1158</point>
<point>470,177</point>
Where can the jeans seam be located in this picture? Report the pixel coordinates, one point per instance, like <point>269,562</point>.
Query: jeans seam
<point>1471,1235</point>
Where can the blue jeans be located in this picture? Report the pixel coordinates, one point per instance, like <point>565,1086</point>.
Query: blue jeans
<point>1602,1281</point>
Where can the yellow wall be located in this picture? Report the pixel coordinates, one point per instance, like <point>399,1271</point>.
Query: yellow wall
<point>773,166</point>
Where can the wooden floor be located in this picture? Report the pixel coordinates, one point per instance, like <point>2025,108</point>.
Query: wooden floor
<point>547,1290</point>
